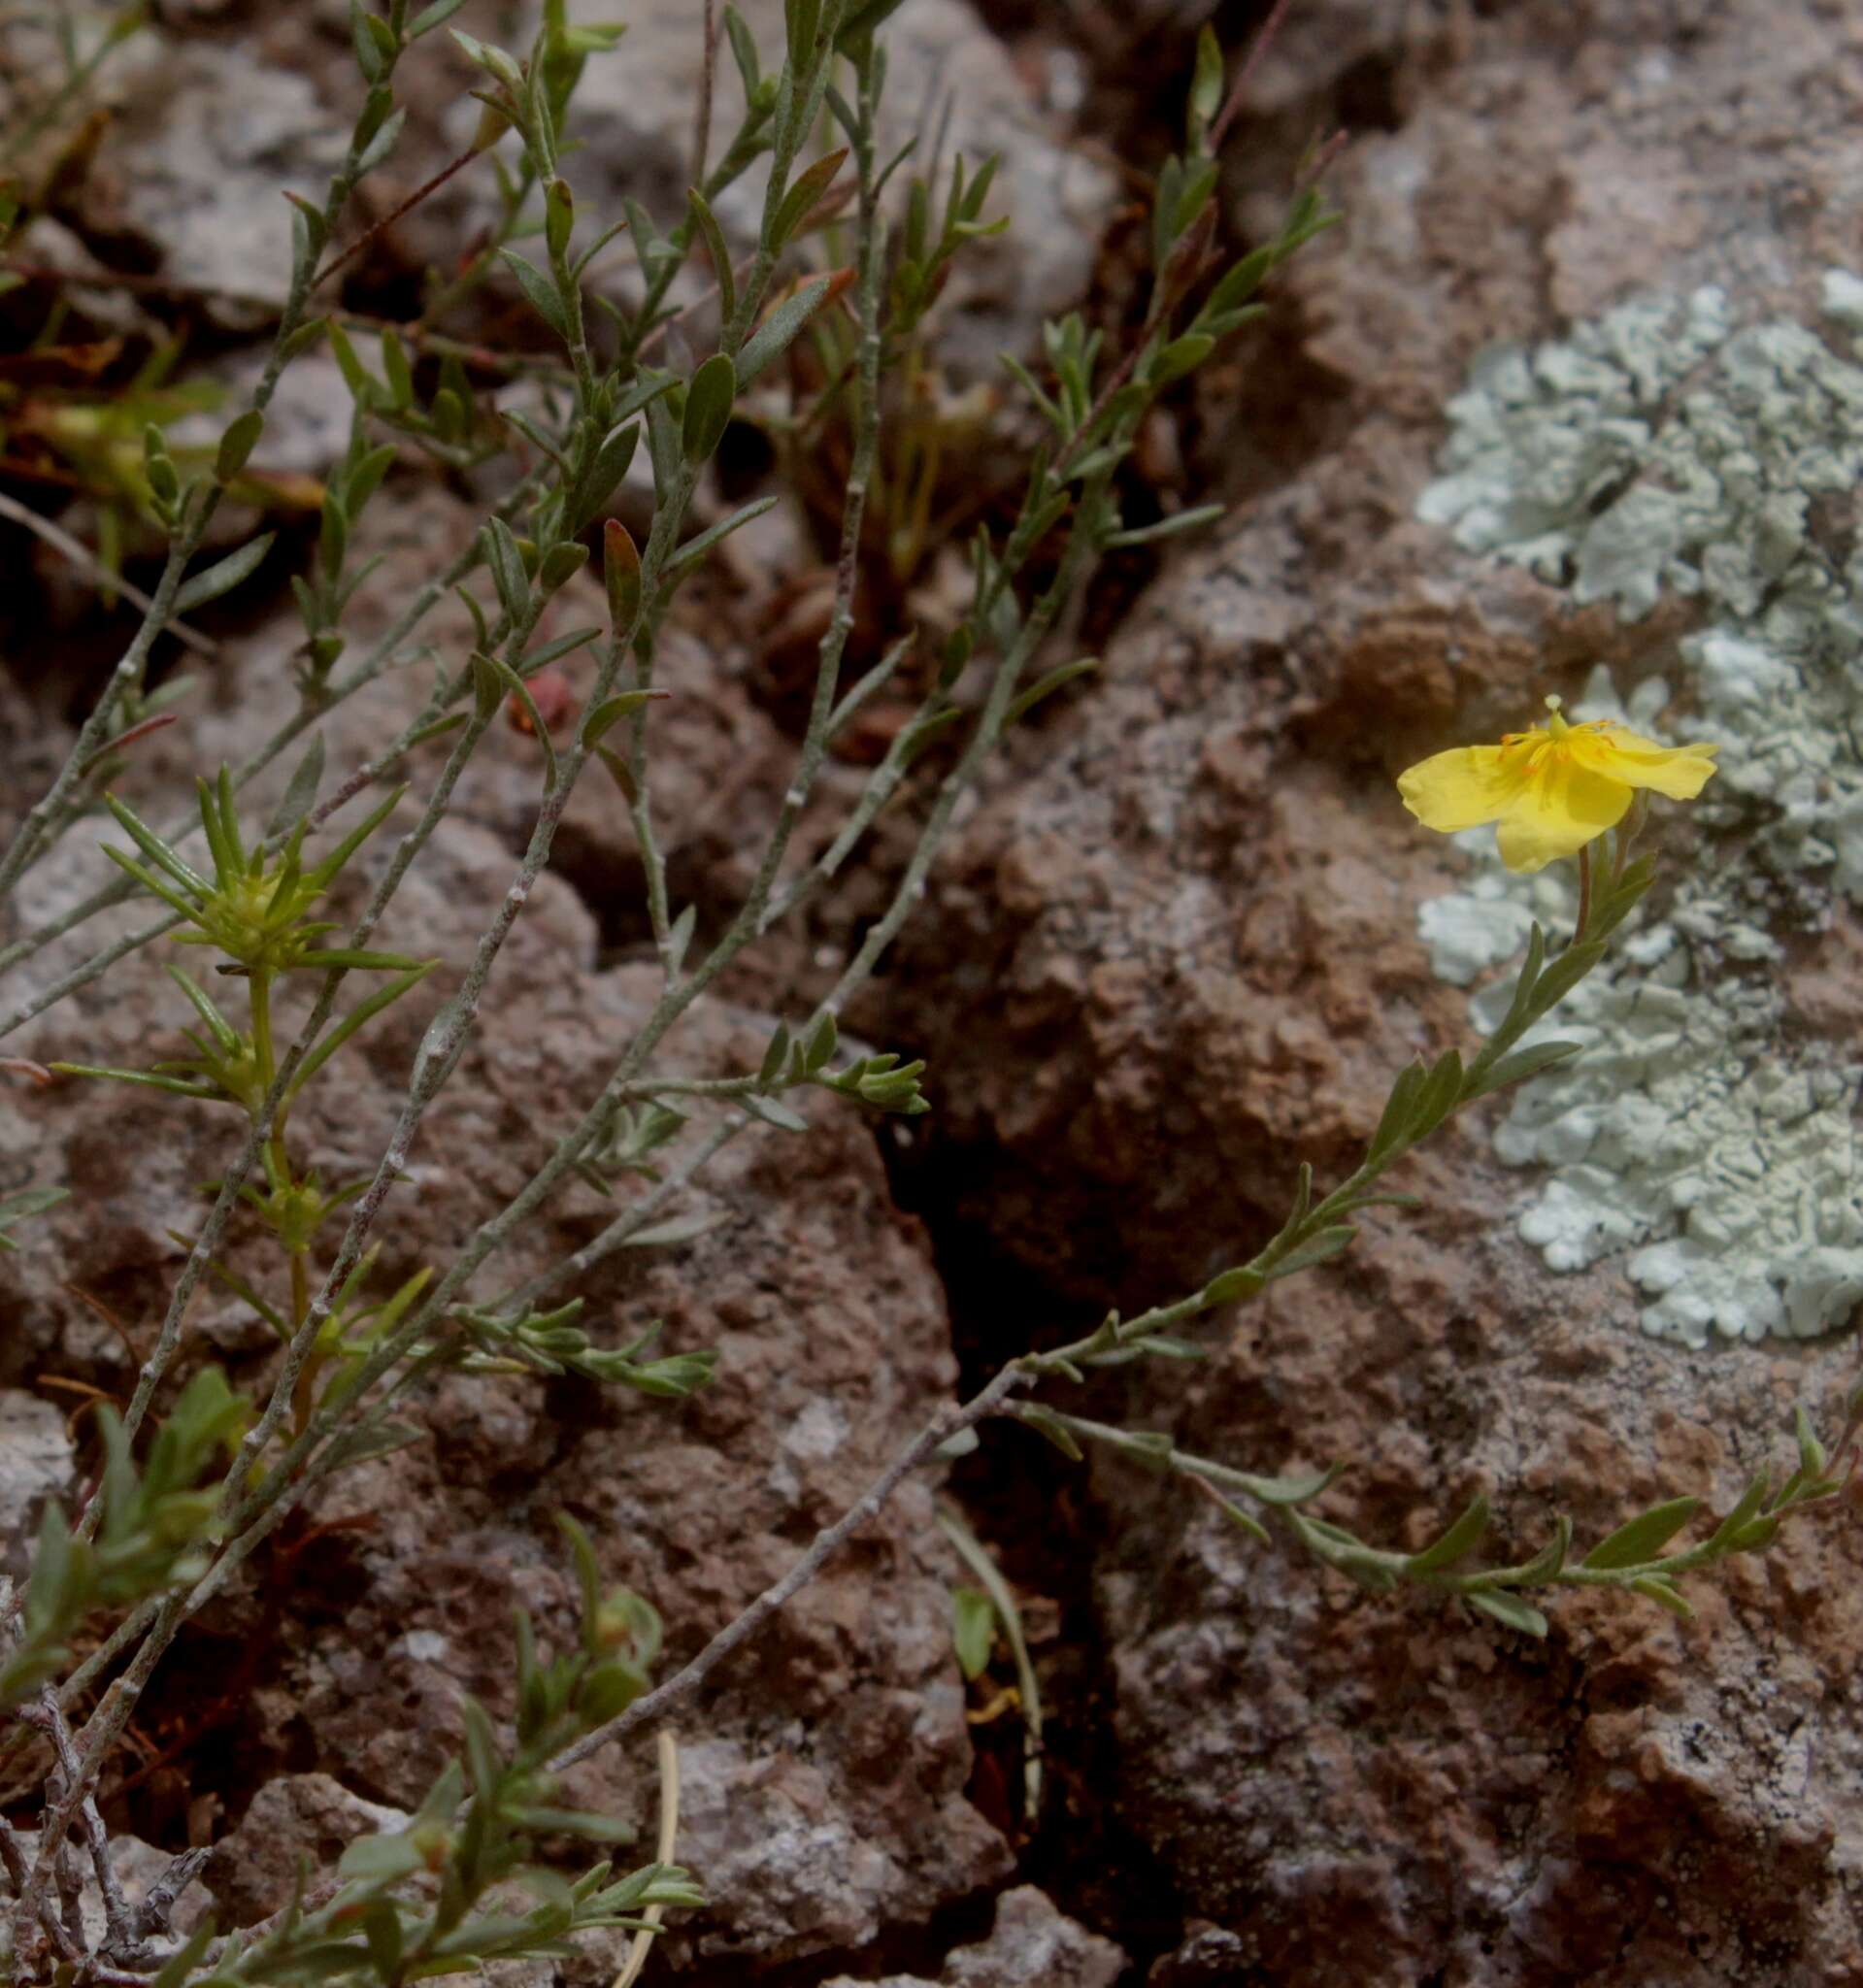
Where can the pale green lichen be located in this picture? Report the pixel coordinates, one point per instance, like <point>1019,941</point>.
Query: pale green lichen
<point>1663,451</point>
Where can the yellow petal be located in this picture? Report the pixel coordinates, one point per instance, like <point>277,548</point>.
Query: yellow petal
<point>1556,815</point>
<point>1461,788</point>
<point>1620,754</point>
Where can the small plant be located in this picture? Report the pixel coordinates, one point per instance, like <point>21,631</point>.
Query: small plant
<point>184,1497</point>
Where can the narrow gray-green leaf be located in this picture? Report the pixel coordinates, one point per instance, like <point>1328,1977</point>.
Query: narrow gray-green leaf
<point>777,331</point>
<point>540,292</point>
<point>695,548</point>
<point>1644,1536</point>
<point>1510,1609</point>
<point>301,793</point>
<point>1320,1247</point>
<point>1456,1543</point>
<point>719,253</point>
<point>707,407</point>
<point>222,577</point>
<point>973,1629</point>
<point>682,1229</point>
<point>1522,1064</point>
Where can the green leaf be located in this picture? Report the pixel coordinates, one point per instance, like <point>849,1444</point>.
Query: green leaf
<point>823,1040</point>
<point>1564,974</point>
<point>1172,527</point>
<point>1247,1521</point>
<point>1509,1610</point>
<point>604,475</point>
<point>1295,1489</point>
<point>1664,1592</point>
<point>800,19</point>
<point>300,795</point>
<point>431,18</point>
<point>1206,83</point>
<point>1812,1456</point>
<point>508,573</point>
<point>1736,1521</point>
<point>148,881</point>
<point>365,389</point>
<point>1047,686</point>
<point>862,20</point>
<point>332,865</point>
<point>621,571</point>
<point>1521,1065</point>
<point>364,479</point>
<point>715,245</point>
<point>1456,1543</point>
<point>803,194</point>
<point>1320,1247</point>
<point>1644,1536</point>
<point>217,1024</point>
<point>544,297</point>
<point>1399,1113</point>
<point>612,709</point>
<point>560,565</point>
<point>382,144</point>
<point>381,1929</point>
<point>440,726</point>
<point>695,548</point>
<point>1180,356</point>
<point>682,1229</point>
<point>744,48</point>
<point>973,1629</point>
<point>158,852</point>
<point>1436,1097</point>
<point>709,400</point>
<point>379,1860</point>
<point>222,577</point>
<point>363,960</point>
<point>515,686</point>
<point>1045,1423</point>
<point>1550,1558</point>
<point>777,331</point>
<point>1242,279</point>
<point>366,1011</point>
<point>680,937</point>
<point>236,443</point>
<point>773,1111</point>
<point>1229,1285</point>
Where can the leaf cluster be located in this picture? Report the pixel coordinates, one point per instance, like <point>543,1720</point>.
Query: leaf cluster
<point>464,1885</point>
<point>552,1342</point>
<point>156,1530</point>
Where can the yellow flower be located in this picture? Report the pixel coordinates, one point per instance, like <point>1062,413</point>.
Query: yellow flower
<point>1551,791</point>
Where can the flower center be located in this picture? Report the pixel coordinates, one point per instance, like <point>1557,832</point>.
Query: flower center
<point>1536,751</point>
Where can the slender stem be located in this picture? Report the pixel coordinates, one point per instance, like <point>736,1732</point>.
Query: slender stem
<point>1584,921</point>
<point>708,76</point>
<point>394,214</point>
<point>308,715</point>
<point>87,562</point>
<point>662,1702</point>
<point>198,510</point>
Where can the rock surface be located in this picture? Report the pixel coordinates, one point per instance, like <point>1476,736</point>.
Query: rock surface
<point>1031,1946</point>
<point>35,1464</point>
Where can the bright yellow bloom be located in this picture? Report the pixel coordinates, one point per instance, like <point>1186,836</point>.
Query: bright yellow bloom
<point>1551,791</point>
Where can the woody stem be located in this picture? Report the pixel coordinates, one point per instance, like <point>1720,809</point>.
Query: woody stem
<point>1585,892</point>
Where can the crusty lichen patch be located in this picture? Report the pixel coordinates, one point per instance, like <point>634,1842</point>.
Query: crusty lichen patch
<point>1662,451</point>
